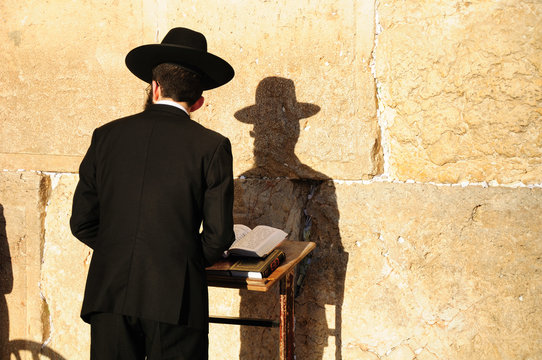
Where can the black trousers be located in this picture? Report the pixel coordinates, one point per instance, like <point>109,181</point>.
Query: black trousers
<point>119,337</point>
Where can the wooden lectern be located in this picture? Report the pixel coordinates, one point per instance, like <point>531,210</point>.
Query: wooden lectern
<point>295,252</point>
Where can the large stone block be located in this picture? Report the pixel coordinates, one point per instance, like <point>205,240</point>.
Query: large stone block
<point>303,86</point>
<point>24,325</point>
<point>63,274</point>
<point>405,270</point>
<point>459,89</point>
<point>224,340</point>
<point>401,270</point>
<point>63,74</point>
<point>303,82</point>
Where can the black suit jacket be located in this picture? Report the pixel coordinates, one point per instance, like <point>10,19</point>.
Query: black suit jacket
<point>146,184</point>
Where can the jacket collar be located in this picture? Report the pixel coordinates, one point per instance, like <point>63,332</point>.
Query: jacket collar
<point>172,103</point>
<point>168,108</point>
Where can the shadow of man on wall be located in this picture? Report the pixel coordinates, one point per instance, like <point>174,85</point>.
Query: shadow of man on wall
<point>280,191</point>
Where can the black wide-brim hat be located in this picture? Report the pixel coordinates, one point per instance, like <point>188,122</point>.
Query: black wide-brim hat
<point>183,47</point>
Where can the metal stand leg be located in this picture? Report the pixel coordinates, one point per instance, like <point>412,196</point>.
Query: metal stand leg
<point>287,325</point>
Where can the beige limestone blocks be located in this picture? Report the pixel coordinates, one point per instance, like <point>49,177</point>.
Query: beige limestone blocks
<point>459,89</point>
<point>406,271</point>
<point>224,340</point>
<point>24,325</point>
<point>42,269</point>
<point>289,53</point>
<point>400,270</point>
<point>63,74</point>
<point>63,274</point>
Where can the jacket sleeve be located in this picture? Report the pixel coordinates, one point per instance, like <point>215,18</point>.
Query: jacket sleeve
<point>218,233</point>
<point>85,217</point>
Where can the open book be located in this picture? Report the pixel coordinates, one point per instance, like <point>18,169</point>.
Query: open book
<point>257,242</point>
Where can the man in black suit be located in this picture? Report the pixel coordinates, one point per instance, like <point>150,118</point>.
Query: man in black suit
<point>147,183</point>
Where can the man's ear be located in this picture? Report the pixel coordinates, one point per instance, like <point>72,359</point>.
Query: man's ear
<point>197,104</point>
<point>156,93</point>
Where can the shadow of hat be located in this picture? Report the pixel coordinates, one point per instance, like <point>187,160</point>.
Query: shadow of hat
<point>273,92</point>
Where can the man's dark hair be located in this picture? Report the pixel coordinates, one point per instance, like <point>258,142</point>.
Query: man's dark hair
<point>178,83</point>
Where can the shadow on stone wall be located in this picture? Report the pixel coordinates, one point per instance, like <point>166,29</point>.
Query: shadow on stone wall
<point>14,349</point>
<point>277,191</point>
<point>6,285</point>
<point>20,349</point>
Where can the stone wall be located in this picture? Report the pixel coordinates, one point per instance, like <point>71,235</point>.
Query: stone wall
<point>403,137</point>
<point>460,87</point>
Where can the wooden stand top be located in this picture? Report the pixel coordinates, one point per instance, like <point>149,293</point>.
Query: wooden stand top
<point>295,251</point>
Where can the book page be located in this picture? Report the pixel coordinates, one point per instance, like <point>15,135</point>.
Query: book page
<point>240,231</point>
<point>262,239</point>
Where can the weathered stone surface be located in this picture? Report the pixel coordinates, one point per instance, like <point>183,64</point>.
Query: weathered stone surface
<point>279,203</point>
<point>63,74</point>
<point>401,271</point>
<point>224,340</point>
<point>426,271</point>
<point>459,89</point>
<point>64,269</point>
<point>312,45</point>
<point>60,90</point>
<point>23,314</point>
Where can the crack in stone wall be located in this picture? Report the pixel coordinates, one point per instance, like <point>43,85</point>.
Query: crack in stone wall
<point>383,139</point>
<point>44,195</point>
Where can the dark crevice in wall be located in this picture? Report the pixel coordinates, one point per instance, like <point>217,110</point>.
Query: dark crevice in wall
<point>44,197</point>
